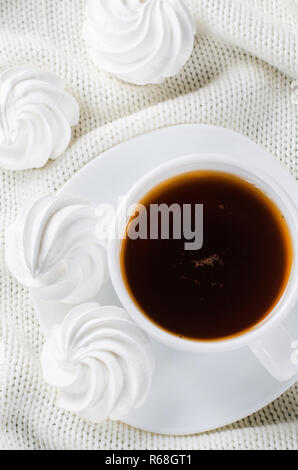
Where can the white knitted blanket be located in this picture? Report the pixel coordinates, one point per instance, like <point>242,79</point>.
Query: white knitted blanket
<point>241,76</point>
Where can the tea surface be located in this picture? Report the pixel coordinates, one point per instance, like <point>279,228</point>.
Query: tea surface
<point>231,283</point>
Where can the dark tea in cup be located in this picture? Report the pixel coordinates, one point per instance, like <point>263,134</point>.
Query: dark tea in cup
<point>228,285</point>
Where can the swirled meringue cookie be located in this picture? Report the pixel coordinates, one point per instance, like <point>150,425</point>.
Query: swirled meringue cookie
<point>139,41</point>
<point>100,360</point>
<point>52,248</point>
<point>36,115</point>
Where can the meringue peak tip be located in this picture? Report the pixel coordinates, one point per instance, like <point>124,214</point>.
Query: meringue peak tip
<point>28,139</point>
<point>52,248</point>
<point>109,365</point>
<point>139,48</point>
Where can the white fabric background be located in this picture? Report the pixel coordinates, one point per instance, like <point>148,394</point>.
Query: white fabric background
<point>239,76</point>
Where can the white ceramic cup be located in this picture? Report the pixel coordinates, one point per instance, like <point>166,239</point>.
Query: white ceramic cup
<point>270,340</point>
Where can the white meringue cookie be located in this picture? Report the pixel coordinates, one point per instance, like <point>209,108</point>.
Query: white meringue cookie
<point>100,360</point>
<point>36,115</point>
<point>139,41</point>
<point>53,249</point>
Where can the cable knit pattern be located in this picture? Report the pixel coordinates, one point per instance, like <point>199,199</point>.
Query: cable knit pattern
<point>240,76</point>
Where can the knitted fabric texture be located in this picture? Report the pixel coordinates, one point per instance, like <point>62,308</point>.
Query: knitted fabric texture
<point>241,75</point>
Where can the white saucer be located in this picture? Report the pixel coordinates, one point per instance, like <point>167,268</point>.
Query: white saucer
<point>190,393</point>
